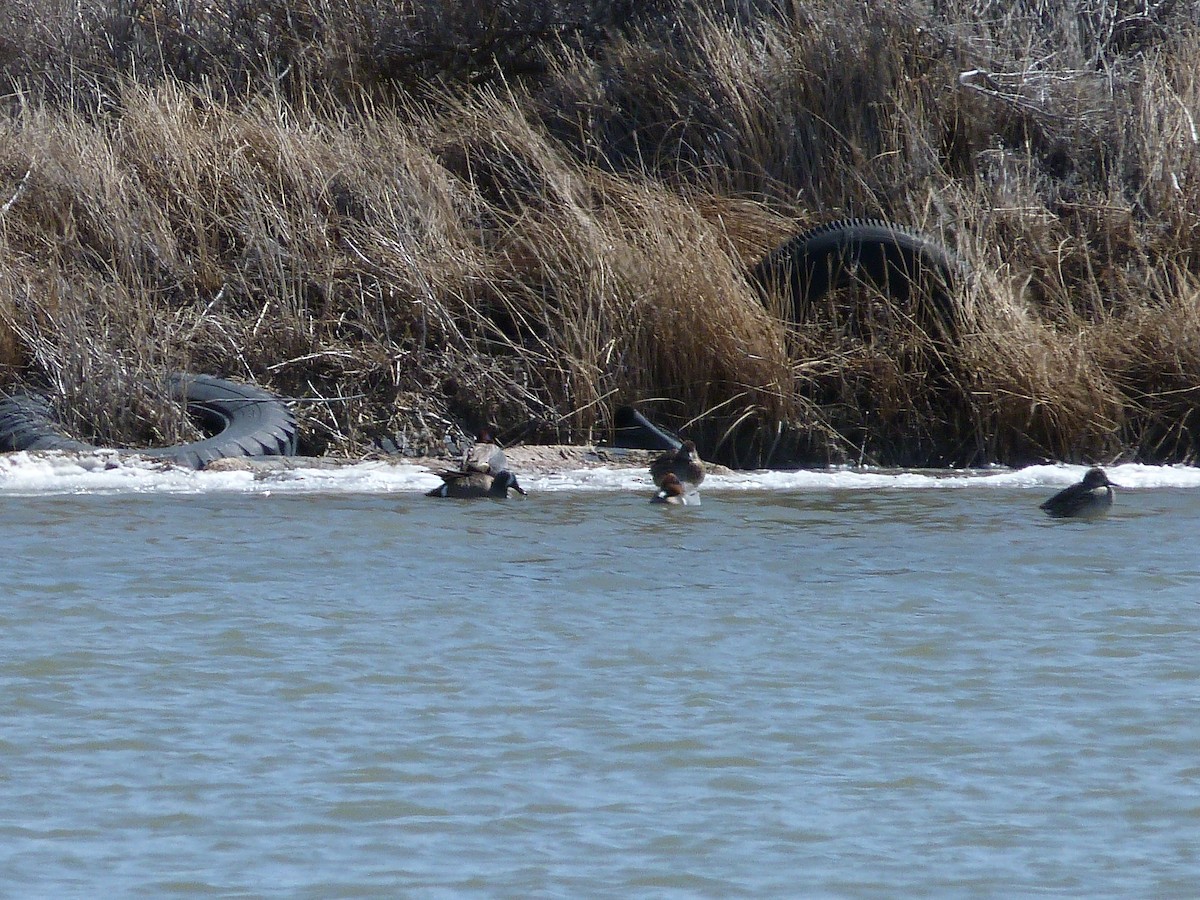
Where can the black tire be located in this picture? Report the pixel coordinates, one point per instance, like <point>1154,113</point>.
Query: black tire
<point>913,269</point>
<point>240,419</point>
<point>635,432</point>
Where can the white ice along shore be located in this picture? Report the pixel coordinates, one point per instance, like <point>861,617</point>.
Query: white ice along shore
<point>50,473</point>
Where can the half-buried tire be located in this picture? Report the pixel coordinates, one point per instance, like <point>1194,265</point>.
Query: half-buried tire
<point>239,419</point>
<point>913,269</point>
<point>635,432</point>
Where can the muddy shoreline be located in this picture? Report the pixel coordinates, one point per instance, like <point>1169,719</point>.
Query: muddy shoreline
<point>524,460</point>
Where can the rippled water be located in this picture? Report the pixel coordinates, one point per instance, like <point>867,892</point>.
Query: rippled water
<point>331,690</point>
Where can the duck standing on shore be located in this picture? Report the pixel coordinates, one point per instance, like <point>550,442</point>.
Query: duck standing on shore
<point>1087,499</point>
<point>678,474</point>
<point>486,454</point>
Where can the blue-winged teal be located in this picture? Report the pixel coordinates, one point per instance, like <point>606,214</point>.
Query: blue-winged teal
<point>465,485</point>
<point>671,490</point>
<point>1085,499</point>
<point>683,463</point>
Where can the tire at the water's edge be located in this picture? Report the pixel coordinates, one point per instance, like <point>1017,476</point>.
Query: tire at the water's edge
<point>241,419</point>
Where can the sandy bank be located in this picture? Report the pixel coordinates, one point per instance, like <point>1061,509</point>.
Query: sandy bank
<point>524,460</point>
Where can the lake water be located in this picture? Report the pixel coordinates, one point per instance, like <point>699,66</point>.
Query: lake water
<point>325,684</point>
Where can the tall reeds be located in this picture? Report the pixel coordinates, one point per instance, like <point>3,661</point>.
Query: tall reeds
<point>411,219</point>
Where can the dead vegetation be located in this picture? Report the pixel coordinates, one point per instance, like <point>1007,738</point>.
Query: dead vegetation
<point>410,219</point>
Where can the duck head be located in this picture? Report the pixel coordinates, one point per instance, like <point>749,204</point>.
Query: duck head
<point>505,481</point>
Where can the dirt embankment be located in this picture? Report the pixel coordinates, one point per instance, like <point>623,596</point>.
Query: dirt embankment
<point>526,460</point>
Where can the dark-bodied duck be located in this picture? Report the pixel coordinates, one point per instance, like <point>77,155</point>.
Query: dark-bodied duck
<point>672,491</point>
<point>1086,499</point>
<point>467,485</point>
<point>485,455</point>
<point>683,463</point>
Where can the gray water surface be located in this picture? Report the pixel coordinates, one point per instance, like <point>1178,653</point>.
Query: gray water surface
<point>825,693</point>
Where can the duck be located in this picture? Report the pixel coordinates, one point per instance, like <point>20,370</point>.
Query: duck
<point>467,485</point>
<point>683,463</point>
<point>672,491</point>
<point>486,454</point>
<point>1086,499</point>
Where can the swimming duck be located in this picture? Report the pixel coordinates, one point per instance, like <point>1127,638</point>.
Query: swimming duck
<point>671,490</point>
<point>485,455</point>
<point>683,463</point>
<point>1086,499</point>
<point>465,485</point>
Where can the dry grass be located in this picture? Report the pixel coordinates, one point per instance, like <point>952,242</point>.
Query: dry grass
<point>559,215</point>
